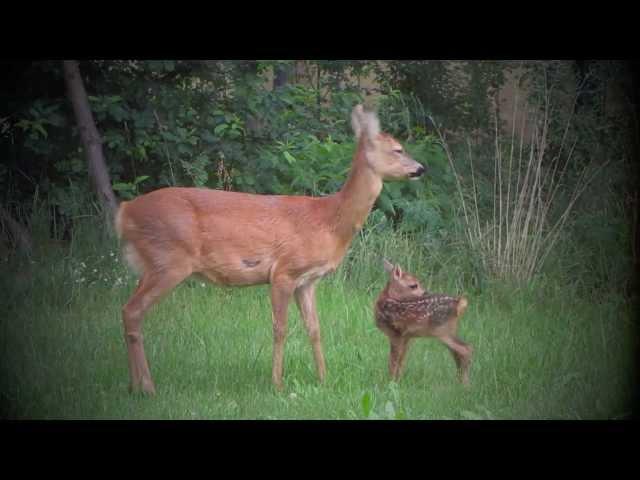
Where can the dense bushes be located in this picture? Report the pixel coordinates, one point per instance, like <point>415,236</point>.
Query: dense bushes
<point>222,125</point>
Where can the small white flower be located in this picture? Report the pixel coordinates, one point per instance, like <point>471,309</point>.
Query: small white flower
<point>203,285</point>
<point>293,396</point>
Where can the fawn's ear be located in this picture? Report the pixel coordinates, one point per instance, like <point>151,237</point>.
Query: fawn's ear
<point>388,266</point>
<point>397,272</point>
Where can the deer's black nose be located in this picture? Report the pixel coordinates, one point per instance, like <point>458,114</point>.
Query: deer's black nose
<point>418,172</point>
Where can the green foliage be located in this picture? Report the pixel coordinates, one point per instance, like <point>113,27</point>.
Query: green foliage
<point>596,97</point>
<point>129,190</point>
<point>220,124</point>
<point>425,204</point>
<point>403,115</point>
<point>389,410</point>
<point>457,94</point>
<point>303,164</point>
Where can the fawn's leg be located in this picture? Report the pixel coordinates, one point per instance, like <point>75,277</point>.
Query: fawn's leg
<point>396,355</point>
<point>151,287</point>
<point>281,291</point>
<point>402,355</point>
<point>461,352</point>
<point>306,299</point>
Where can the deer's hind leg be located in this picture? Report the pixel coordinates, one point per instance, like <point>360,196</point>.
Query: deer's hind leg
<point>462,353</point>
<point>281,291</point>
<point>151,288</point>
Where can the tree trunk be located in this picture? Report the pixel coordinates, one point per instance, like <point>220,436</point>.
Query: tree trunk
<point>281,75</point>
<point>19,233</point>
<point>91,140</point>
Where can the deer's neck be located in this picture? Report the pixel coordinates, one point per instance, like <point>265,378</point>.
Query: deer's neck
<point>356,198</point>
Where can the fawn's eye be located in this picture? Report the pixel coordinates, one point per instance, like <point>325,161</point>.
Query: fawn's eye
<point>414,286</point>
<point>398,150</point>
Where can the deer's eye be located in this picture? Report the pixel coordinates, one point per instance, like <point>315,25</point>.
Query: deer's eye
<point>398,151</point>
<point>414,286</point>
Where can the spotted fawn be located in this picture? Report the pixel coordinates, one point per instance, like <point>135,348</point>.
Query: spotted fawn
<point>404,310</point>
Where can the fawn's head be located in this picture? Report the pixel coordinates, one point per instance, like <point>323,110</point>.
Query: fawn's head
<point>384,154</point>
<point>402,285</point>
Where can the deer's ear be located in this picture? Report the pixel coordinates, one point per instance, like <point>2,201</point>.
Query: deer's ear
<point>397,272</point>
<point>388,266</point>
<point>370,125</point>
<point>364,123</point>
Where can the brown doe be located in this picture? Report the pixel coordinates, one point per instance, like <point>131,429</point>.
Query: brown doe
<point>241,239</point>
<point>404,310</point>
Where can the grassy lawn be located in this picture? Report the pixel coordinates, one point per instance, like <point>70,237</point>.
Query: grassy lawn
<point>539,354</point>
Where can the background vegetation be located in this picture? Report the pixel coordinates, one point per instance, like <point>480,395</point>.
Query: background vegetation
<point>529,206</point>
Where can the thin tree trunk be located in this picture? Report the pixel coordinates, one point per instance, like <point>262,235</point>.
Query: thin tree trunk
<point>91,140</point>
<point>318,90</point>
<point>281,75</point>
<point>20,234</point>
<point>253,122</point>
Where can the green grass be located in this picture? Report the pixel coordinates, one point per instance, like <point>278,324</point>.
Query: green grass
<point>540,353</point>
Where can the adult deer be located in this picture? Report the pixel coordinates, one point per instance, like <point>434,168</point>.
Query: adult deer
<point>241,239</point>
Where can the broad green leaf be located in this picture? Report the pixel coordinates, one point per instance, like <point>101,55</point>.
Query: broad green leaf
<point>117,112</point>
<point>367,404</point>
<point>122,186</point>
<point>23,124</point>
<point>140,179</point>
<point>38,127</point>
<point>290,158</point>
<point>385,203</point>
<point>184,149</point>
<point>168,136</point>
<point>220,129</point>
<point>207,137</point>
<point>394,190</point>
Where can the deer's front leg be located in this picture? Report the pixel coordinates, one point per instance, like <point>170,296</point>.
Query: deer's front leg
<point>281,291</point>
<point>395,347</point>
<point>306,300</point>
<point>403,346</point>
<point>397,352</point>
